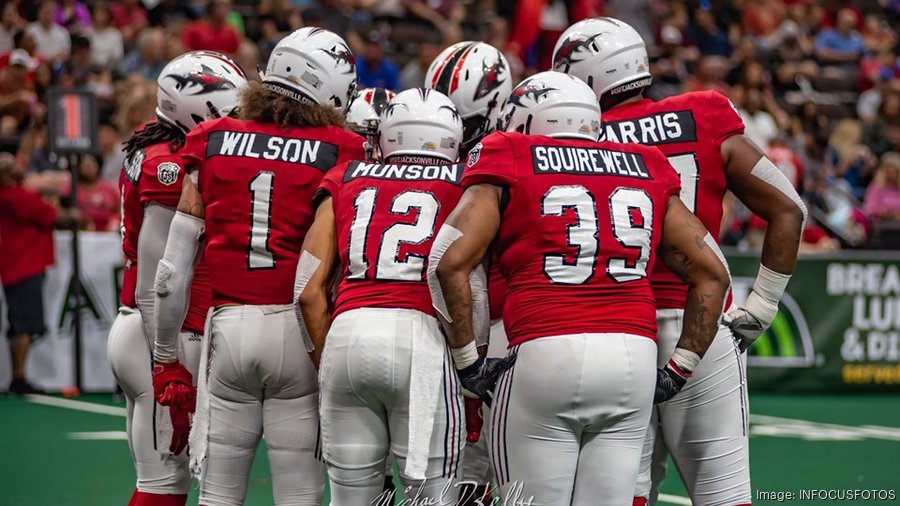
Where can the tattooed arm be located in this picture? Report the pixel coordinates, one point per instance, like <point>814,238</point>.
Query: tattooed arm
<point>467,234</point>
<point>190,202</point>
<point>689,251</point>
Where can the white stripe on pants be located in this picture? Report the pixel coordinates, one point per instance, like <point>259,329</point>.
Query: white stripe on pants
<point>570,419</point>
<point>158,471</point>
<point>365,376</point>
<point>704,427</point>
<point>261,381</point>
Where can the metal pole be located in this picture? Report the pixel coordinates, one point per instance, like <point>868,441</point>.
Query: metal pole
<point>77,289</point>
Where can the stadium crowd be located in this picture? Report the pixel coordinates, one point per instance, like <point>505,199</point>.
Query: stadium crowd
<point>816,83</point>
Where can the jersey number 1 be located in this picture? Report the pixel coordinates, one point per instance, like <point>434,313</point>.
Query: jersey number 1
<point>259,256</point>
<point>389,265</point>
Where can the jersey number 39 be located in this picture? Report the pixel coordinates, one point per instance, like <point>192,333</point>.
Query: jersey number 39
<point>631,215</point>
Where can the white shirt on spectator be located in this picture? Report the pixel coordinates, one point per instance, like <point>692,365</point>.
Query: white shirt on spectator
<point>759,127</point>
<point>6,40</point>
<point>107,49</point>
<point>52,44</point>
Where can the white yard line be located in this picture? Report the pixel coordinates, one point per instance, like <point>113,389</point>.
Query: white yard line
<point>673,499</point>
<point>109,435</point>
<point>90,407</point>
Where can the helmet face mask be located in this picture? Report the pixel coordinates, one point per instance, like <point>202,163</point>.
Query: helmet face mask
<point>420,123</point>
<point>364,113</point>
<point>552,104</point>
<point>607,54</point>
<point>313,65</point>
<point>476,76</point>
<point>196,87</point>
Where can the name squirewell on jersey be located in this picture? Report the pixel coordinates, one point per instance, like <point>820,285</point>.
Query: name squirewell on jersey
<point>450,173</point>
<point>314,153</point>
<point>588,161</point>
<point>652,130</point>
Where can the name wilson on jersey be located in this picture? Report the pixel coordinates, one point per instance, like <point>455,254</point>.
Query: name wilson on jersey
<point>662,128</point>
<point>575,160</point>
<point>451,173</point>
<point>314,153</point>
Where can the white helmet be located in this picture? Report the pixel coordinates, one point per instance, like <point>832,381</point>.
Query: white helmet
<point>553,104</point>
<point>313,65</point>
<point>196,87</point>
<point>608,54</point>
<point>477,79</point>
<point>365,110</point>
<point>420,122</point>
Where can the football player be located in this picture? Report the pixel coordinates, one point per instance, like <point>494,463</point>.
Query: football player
<point>701,133</point>
<point>192,88</point>
<point>477,78</point>
<point>364,113</point>
<point>387,382</point>
<point>577,225</point>
<point>250,191</point>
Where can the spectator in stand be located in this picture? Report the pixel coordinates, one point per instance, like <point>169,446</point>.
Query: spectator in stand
<point>759,125</point>
<point>26,250</point>
<point>149,58</point>
<point>98,199</point>
<point>707,35</point>
<point>709,75</point>
<point>882,200</point>
<point>107,45</point>
<point>843,45</point>
<point>877,134</point>
<point>10,24</point>
<point>51,40</point>
<point>444,15</point>
<point>374,69</point>
<point>878,34</point>
<point>870,100</point>
<point>848,158</point>
<point>72,15</point>
<point>213,32</point>
<point>111,152</point>
<point>17,99</point>
<point>669,69</point>
<point>130,18</point>
<point>413,74</point>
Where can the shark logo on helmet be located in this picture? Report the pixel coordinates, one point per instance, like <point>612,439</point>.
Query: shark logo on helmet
<point>529,91</point>
<point>568,51</point>
<point>389,109</point>
<point>490,78</point>
<point>342,54</point>
<point>452,110</point>
<point>205,81</point>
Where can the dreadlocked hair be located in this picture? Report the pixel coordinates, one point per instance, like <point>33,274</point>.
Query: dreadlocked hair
<point>266,106</point>
<point>156,132</point>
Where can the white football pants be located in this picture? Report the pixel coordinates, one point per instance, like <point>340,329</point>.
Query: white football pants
<point>365,388</point>
<point>261,381</point>
<point>570,417</point>
<point>158,471</point>
<point>704,427</point>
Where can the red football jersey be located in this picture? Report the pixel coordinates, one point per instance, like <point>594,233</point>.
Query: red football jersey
<point>579,232</point>
<point>386,217</point>
<point>689,129</point>
<point>257,182</point>
<point>154,174</point>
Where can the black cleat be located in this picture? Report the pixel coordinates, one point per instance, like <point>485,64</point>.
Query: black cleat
<point>21,387</point>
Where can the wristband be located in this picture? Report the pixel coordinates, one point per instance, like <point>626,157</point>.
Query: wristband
<point>685,361</point>
<point>464,356</point>
<point>770,284</point>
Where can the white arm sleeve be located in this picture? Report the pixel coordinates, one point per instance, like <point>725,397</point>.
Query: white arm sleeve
<point>481,310</point>
<point>173,278</point>
<point>445,237</point>
<point>151,245</point>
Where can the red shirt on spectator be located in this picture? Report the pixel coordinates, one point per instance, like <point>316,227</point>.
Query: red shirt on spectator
<point>124,16</point>
<point>202,35</point>
<point>99,204</point>
<point>26,225</point>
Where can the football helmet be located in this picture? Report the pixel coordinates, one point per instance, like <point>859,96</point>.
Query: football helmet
<point>552,104</point>
<point>420,122</point>
<point>365,110</point>
<point>313,65</point>
<point>476,77</point>
<point>608,54</point>
<point>196,87</point>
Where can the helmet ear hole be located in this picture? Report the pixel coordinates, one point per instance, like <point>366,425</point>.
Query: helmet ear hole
<point>197,118</point>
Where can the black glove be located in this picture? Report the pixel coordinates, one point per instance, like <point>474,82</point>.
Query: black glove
<point>668,383</point>
<point>481,377</point>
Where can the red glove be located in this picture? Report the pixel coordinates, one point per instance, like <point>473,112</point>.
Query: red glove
<point>474,418</point>
<point>172,387</point>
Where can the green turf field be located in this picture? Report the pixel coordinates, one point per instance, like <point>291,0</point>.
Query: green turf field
<point>63,455</point>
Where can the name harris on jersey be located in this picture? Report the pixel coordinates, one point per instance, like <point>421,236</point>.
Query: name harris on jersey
<point>652,130</point>
<point>584,160</point>
<point>450,173</point>
<point>314,153</point>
